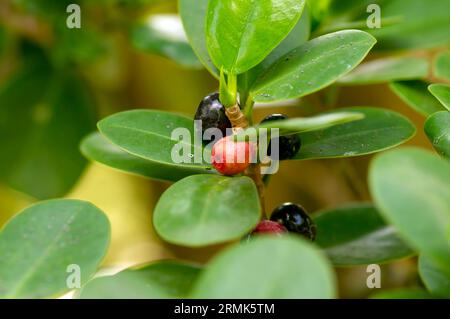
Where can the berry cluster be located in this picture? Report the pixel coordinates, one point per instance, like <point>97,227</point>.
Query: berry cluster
<point>230,157</point>
<point>288,217</point>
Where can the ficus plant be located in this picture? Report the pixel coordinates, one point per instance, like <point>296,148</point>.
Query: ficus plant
<point>262,51</point>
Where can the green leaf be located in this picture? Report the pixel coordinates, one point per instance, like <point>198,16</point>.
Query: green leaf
<point>270,267</point>
<point>160,280</point>
<point>442,93</point>
<point>411,188</point>
<point>193,16</point>
<point>437,128</point>
<point>298,36</point>
<point>441,68</point>
<point>300,124</point>
<point>379,130</point>
<point>97,148</point>
<point>163,34</point>
<point>241,33</point>
<point>148,134</point>
<point>416,95</point>
<point>297,125</point>
<point>43,117</point>
<point>357,235</point>
<point>402,293</point>
<point>203,210</point>
<point>436,281</point>
<point>385,70</point>
<point>312,66</point>
<point>39,244</point>
<point>423,25</point>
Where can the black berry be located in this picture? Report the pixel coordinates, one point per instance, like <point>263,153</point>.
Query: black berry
<point>212,114</point>
<point>288,145</point>
<point>295,219</point>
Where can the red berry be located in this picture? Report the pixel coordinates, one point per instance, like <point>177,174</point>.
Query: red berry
<point>230,157</point>
<point>269,227</point>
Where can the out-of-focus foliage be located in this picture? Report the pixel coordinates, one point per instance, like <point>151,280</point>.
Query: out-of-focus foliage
<point>357,235</point>
<point>38,246</point>
<point>44,112</point>
<point>410,188</point>
<point>164,35</point>
<point>415,94</point>
<point>166,279</point>
<point>442,66</point>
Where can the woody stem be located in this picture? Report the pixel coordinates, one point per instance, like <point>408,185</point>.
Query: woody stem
<point>239,121</point>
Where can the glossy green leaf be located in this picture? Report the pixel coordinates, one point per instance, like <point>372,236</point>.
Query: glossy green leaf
<point>301,124</point>
<point>442,93</point>
<point>436,281</point>
<point>148,134</point>
<point>416,95</point>
<point>411,188</point>
<point>43,117</point>
<point>97,148</point>
<point>441,67</point>
<point>268,267</point>
<point>297,125</point>
<point>241,33</point>
<point>402,293</point>
<point>43,245</point>
<point>379,130</point>
<point>312,66</point>
<point>423,25</point>
<point>163,34</point>
<point>357,235</point>
<point>298,36</point>
<point>385,70</point>
<point>160,280</point>
<point>207,209</point>
<point>437,128</point>
<point>193,16</point>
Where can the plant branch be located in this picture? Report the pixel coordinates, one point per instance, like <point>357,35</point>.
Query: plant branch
<point>239,122</point>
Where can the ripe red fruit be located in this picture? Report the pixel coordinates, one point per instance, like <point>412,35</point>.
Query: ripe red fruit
<point>230,157</point>
<point>269,227</point>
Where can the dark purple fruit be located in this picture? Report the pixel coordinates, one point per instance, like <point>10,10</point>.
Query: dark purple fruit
<point>212,114</point>
<point>295,219</point>
<point>288,145</point>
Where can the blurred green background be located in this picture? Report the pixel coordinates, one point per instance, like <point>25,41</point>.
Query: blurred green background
<point>56,82</point>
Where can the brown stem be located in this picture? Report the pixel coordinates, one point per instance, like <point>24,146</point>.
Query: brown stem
<point>254,172</point>
<point>239,122</point>
<point>236,117</point>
